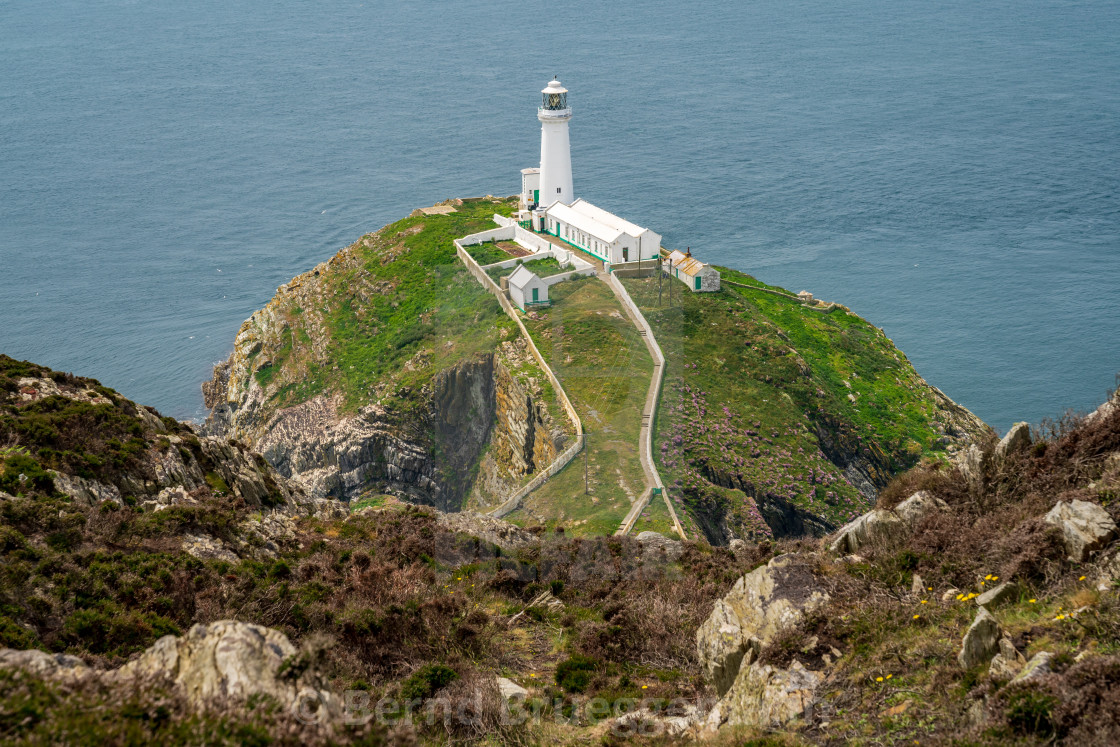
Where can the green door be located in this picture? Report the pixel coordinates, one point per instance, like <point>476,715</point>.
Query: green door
<point>536,195</point>
<point>697,283</point>
<point>534,295</point>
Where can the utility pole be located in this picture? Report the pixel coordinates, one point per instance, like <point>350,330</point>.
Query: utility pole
<point>660,278</point>
<point>586,484</point>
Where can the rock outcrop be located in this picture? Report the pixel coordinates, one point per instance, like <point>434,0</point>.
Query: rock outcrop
<point>1086,527</point>
<point>760,605</point>
<point>1007,663</point>
<point>210,664</point>
<point>765,696</point>
<point>495,531</point>
<point>1016,439</point>
<point>981,641</point>
<point>886,525</point>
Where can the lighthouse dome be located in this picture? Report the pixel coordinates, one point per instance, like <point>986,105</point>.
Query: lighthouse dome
<point>554,97</point>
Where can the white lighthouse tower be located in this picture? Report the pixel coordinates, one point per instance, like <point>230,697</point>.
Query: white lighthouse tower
<point>556,155</point>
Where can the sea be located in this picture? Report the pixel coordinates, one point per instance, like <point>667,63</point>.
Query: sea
<point>949,169</point>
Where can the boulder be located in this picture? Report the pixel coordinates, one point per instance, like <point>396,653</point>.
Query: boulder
<point>970,463</point>
<point>761,604</point>
<point>885,525</point>
<point>675,722</point>
<point>653,544</point>
<point>981,641</point>
<point>232,659</point>
<point>205,547</point>
<point>42,664</point>
<point>917,585</point>
<point>994,596</point>
<point>1086,527</point>
<point>1007,663</point>
<point>918,506</point>
<point>875,525</point>
<point>510,689</point>
<point>81,490</point>
<point>1036,667</point>
<point>210,664</point>
<point>766,697</point>
<point>495,531</point>
<point>1019,437</point>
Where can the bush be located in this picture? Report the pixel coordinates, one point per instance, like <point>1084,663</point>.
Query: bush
<point>427,681</point>
<point>34,476</point>
<point>1031,712</point>
<point>574,674</point>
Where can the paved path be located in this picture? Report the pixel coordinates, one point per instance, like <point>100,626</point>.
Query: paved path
<point>649,411</point>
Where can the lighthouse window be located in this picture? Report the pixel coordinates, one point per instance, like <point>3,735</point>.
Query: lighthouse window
<point>557,190</point>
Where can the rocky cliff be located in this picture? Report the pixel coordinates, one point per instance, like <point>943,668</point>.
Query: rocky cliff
<point>388,369</point>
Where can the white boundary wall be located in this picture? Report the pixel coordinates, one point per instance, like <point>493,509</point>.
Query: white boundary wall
<point>574,448</point>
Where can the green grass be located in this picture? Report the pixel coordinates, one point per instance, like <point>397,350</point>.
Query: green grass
<point>604,366</point>
<point>753,382</point>
<point>399,295</point>
<point>542,267</point>
<point>488,252</point>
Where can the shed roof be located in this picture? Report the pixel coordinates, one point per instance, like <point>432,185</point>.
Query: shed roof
<point>688,265</point>
<point>522,277</point>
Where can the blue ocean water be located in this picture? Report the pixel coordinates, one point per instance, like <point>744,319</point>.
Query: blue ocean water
<point>949,169</point>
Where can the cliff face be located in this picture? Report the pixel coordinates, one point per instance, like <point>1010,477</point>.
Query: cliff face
<point>388,369</point>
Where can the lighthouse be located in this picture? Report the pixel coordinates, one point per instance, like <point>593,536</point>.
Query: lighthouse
<point>556,155</point>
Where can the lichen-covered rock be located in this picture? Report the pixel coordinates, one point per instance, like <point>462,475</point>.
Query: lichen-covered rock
<point>205,547</point>
<point>89,492</point>
<point>877,525</point>
<point>1007,663</point>
<point>233,659</point>
<point>1036,667</point>
<point>1086,527</point>
<point>970,463</point>
<point>764,696</point>
<point>654,544</point>
<point>210,664</point>
<point>1019,437</point>
<point>918,506</point>
<point>981,641</point>
<point>992,597</point>
<point>510,689</point>
<point>495,531</point>
<point>886,525</point>
<point>42,664</point>
<point>760,605</point>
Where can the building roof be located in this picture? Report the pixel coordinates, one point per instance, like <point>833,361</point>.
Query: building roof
<point>688,265</point>
<point>530,171</point>
<point>594,220</point>
<point>522,277</point>
<point>608,219</point>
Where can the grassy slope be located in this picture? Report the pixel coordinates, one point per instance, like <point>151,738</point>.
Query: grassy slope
<point>740,408</point>
<point>605,369</point>
<point>424,308</point>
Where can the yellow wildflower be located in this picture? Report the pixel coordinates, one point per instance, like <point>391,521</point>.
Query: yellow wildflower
<point>1081,579</point>
<point>889,676</point>
<point>988,577</point>
<point>929,588</point>
<point>645,687</point>
<point>924,601</point>
<point>995,578</point>
<point>878,679</point>
<point>916,616</point>
<point>1032,601</point>
<point>1060,617</point>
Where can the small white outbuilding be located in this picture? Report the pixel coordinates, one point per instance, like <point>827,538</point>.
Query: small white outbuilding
<point>526,289</point>
<point>699,277</point>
